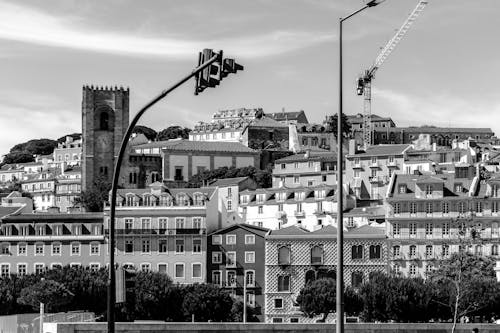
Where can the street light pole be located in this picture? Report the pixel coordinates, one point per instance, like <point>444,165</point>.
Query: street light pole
<point>114,187</point>
<point>340,213</point>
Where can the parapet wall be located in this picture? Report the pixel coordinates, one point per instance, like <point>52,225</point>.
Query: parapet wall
<point>264,328</point>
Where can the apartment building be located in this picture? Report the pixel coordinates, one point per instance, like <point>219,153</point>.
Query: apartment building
<point>368,172</point>
<point>31,243</point>
<point>276,208</point>
<point>295,256</point>
<point>309,168</point>
<point>429,217</point>
<point>234,258</point>
<point>41,186</point>
<point>68,188</point>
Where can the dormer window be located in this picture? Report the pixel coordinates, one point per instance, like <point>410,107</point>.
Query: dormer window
<point>261,198</point>
<point>299,195</point>
<point>320,194</point>
<point>374,160</point>
<point>244,199</point>
<point>428,189</point>
<point>181,200</point>
<point>281,196</point>
<point>130,200</point>
<point>458,188</point>
<point>495,190</point>
<point>402,188</point>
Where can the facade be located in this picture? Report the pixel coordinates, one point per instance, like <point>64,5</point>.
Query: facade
<point>68,187</point>
<point>31,243</point>
<point>309,168</point>
<point>42,187</point>
<point>182,158</point>
<point>295,117</point>
<point>68,152</point>
<point>9,174</point>
<point>295,256</point>
<point>426,213</point>
<point>105,118</point>
<point>315,137</point>
<point>234,257</point>
<point>356,122</point>
<point>368,172</point>
<point>442,136</point>
<point>141,170</point>
<point>276,208</point>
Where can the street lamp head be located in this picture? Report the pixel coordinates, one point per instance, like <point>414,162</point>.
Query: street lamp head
<point>373,3</point>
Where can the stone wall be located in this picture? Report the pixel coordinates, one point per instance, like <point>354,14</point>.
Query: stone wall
<point>265,328</point>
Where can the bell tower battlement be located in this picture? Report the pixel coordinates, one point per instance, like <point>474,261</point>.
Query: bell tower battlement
<point>105,118</point>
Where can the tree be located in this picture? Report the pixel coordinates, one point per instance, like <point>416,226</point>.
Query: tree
<point>149,133</point>
<point>152,289</point>
<point>18,157</point>
<point>263,178</point>
<point>173,132</point>
<point>36,146</point>
<point>207,302</point>
<point>93,198</point>
<point>318,298</point>
<point>53,294</point>
<point>346,126</point>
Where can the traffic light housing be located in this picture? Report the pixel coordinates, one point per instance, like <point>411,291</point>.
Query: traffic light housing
<point>361,86</point>
<point>211,76</point>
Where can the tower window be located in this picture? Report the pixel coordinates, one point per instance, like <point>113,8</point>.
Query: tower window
<point>104,121</point>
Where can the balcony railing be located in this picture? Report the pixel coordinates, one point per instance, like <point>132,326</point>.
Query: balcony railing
<point>169,231</point>
<point>375,179</point>
<point>300,213</point>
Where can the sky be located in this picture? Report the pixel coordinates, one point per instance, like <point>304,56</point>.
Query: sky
<point>442,73</point>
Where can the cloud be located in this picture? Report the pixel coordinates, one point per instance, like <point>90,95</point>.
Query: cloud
<point>29,25</point>
<point>438,109</point>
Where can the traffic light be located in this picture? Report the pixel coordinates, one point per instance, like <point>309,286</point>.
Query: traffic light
<point>211,76</point>
<point>361,86</point>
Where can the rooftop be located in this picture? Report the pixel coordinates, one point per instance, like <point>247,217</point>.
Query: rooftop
<point>383,150</point>
<point>313,155</point>
<point>248,227</point>
<point>203,146</point>
<point>329,231</point>
<point>228,181</point>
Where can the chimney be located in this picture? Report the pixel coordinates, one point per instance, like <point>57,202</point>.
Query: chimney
<point>352,147</point>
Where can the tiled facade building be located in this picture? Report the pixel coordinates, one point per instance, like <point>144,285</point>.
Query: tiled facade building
<point>31,243</point>
<point>235,257</point>
<point>426,212</point>
<point>315,136</point>
<point>442,136</point>
<point>295,256</point>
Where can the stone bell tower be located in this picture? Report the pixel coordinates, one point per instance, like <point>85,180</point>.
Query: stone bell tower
<point>105,118</point>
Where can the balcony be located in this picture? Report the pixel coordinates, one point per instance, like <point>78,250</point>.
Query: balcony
<point>397,257</point>
<point>280,215</point>
<point>357,165</point>
<point>229,284</point>
<point>170,231</point>
<point>375,179</point>
<point>299,213</point>
<point>374,165</point>
<point>392,164</point>
<point>320,212</point>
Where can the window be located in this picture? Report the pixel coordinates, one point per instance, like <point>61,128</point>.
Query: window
<point>250,298</point>
<point>260,210</point>
<point>356,173</point>
<point>428,229</point>
<point>413,229</point>
<point>250,278</point>
<point>94,249</point>
<point>356,279</point>
<point>196,245</point>
<point>413,208</point>
<point>413,270</point>
<point>196,274</point>
<point>129,246</point>
<point>428,207</point>
<point>413,251</point>
<point>145,224</point>
<point>5,270</point>
<point>217,239</point>
<point>179,223</point>
<point>146,246</point>
<point>231,259</point>
<point>396,269</point>
<point>39,249</point>
<point>428,250</point>
<point>428,189</point>
<point>229,205</point>
<point>21,269</point>
<point>446,207</point>
<point>317,255</point>
<point>494,229</point>
<point>446,229</point>
<point>396,250</point>
<point>299,207</point>
<point>231,278</point>
<point>396,229</point>
<point>357,252</point>
<point>129,224</point>
<point>478,250</point>
<point>75,249</point>
<point>162,246</point>
<point>283,166</point>
<point>217,257</point>
<point>494,207</point>
<point>284,255</point>
<point>249,239</point>
<point>21,249</point>
<point>217,278</point>
<point>462,207</point>
<point>445,250</point>
<point>146,267</point>
<point>39,268</point>
<point>494,250</point>
<point>179,245</point>
<point>249,257</point>
<point>284,283</point>
<point>479,207</point>
<point>296,179</point>
<point>95,267</point>
<point>179,271</point>
<point>278,304</point>
<point>397,208</point>
<point>230,239</point>
<point>374,251</point>
<point>458,188</point>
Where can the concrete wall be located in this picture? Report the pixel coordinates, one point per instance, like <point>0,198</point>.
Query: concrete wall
<point>266,328</point>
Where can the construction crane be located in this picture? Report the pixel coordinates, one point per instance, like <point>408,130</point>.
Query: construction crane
<point>364,86</point>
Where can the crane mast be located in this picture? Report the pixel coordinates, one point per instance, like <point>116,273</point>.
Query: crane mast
<point>365,81</point>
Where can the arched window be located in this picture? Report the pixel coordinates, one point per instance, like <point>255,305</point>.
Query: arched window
<point>357,252</point>
<point>356,279</point>
<point>250,278</point>
<point>494,250</point>
<point>310,276</point>
<point>317,255</point>
<point>199,199</point>
<point>130,200</point>
<point>181,199</point>
<point>104,121</point>
<point>284,255</point>
<point>374,251</point>
<point>147,200</point>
